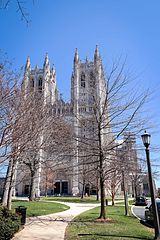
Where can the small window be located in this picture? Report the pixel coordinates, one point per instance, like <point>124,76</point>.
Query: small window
<point>71,110</point>
<point>92,79</point>
<point>40,84</point>
<point>32,82</point>
<point>83,80</point>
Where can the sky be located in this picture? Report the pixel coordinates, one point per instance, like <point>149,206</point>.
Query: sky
<point>126,28</point>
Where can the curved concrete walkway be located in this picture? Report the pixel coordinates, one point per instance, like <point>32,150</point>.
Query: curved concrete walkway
<point>52,226</point>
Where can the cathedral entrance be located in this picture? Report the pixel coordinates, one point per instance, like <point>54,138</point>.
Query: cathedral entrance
<point>26,189</point>
<point>90,190</point>
<point>61,187</point>
<point>57,188</point>
<point>64,187</point>
<point>87,189</point>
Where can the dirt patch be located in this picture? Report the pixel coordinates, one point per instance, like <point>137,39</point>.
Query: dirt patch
<point>107,220</point>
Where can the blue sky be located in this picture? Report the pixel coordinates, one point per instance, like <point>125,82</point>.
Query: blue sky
<point>120,28</point>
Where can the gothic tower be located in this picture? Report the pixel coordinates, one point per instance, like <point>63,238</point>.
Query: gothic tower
<point>87,80</point>
<point>42,80</point>
<point>88,89</point>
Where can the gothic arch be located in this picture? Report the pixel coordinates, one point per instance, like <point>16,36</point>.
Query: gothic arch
<point>40,83</point>
<point>83,83</point>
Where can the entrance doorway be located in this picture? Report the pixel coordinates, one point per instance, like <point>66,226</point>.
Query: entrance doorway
<point>64,187</point>
<point>61,187</point>
<point>26,189</point>
<point>57,188</point>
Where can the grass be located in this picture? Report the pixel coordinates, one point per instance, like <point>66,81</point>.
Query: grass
<point>85,226</point>
<point>91,199</point>
<point>130,202</point>
<point>39,208</point>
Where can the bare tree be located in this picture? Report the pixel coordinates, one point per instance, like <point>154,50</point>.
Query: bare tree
<point>45,139</point>
<point>115,110</point>
<point>113,183</point>
<point>47,178</point>
<point>20,8</point>
<point>8,102</point>
<point>33,132</point>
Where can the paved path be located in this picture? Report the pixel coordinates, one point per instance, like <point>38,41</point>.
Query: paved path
<point>52,226</point>
<point>139,212</point>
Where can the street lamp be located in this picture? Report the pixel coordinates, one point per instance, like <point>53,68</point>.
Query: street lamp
<point>146,141</point>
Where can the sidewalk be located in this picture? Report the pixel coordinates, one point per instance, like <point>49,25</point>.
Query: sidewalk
<point>51,227</point>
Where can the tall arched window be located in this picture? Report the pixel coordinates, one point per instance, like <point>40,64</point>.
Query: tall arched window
<point>40,84</point>
<point>92,79</point>
<point>83,80</point>
<point>32,82</point>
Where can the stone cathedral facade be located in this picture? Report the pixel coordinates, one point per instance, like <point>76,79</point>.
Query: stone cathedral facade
<point>87,84</point>
<point>88,88</point>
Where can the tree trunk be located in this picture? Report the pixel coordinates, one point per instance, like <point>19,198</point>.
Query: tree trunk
<point>101,170</point>
<point>113,190</point>
<point>8,184</point>
<point>6,187</point>
<point>113,198</point>
<point>133,192</point>
<point>9,200</point>
<point>83,189</point>
<point>46,185</point>
<point>45,192</point>
<point>125,195</point>
<point>12,181</point>
<point>135,189</point>
<point>97,198</point>
<point>32,187</point>
<point>102,211</point>
<point>89,190</point>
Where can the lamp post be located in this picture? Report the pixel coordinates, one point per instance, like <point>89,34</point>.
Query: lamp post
<point>146,141</point>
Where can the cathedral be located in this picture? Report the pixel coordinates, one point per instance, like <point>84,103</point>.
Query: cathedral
<point>88,92</point>
<point>87,85</point>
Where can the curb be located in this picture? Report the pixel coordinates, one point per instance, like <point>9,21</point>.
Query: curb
<point>134,213</point>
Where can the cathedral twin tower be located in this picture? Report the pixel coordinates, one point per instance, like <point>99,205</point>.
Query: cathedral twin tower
<point>83,78</point>
<point>87,86</point>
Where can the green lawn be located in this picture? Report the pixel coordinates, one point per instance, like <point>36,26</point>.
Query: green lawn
<point>40,208</point>
<point>91,199</point>
<point>118,227</point>
<point>130,202</point>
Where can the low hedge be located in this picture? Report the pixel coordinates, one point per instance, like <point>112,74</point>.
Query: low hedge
<point>9,224</point>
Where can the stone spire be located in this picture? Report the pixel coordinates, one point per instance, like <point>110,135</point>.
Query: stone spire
<point>28,64</point>
<point>46,62</point>
<point>76,57</point>
<point>53,73</point>
<point>86,59</point>
<point>53,70</point>
<point>36,68</point>
<point>25,84</point>
<point>97,54</point>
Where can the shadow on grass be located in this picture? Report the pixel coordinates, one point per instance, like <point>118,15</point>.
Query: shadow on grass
<point>111,235</point>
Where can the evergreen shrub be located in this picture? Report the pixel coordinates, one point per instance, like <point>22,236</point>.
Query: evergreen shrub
<point>9,224</point>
